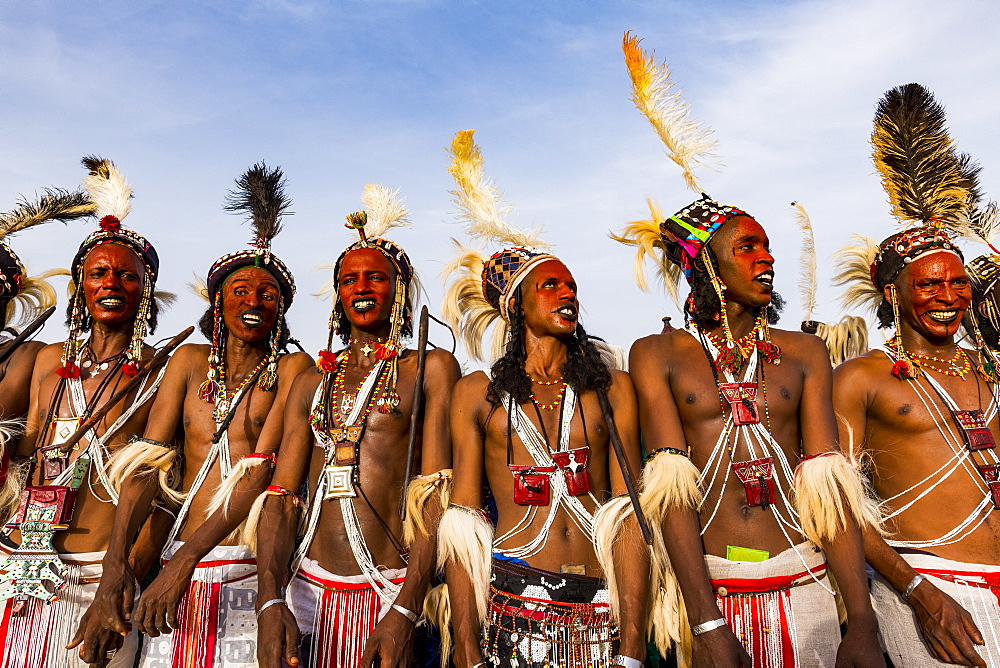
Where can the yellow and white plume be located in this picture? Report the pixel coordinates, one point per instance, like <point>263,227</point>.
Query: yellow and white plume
<point>688,143</point>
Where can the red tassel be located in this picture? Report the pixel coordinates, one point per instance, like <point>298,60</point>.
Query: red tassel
<point>770,351</point>
<point>68,370</point>
<point>208,391</point>
<point>110,223</point>
<point>326,361</point>
<point>903,370</point>
<point>130,369</point>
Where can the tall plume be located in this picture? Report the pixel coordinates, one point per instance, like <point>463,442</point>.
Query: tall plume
<point>923,174</point>
<point>385,208</point>
<point>54,204</point>
<point>260,194</point>
<point>107,187</point>
<point>645,236</point>
<point>479,202</point>
<point>807,262</point>
<point>688,144</point>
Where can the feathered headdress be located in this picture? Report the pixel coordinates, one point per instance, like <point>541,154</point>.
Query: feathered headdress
<point>683,235</point>
<point>111,196</point>
<point>384,210</point>
<point>30,295</point>
<point>260,196</point>
<point>478,296</point>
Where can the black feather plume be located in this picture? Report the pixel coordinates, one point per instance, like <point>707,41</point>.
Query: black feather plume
<point>921,170</point>
<point>260,194</point>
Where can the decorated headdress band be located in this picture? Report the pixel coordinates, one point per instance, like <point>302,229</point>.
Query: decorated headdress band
<point>931,189</point>
<point>30,295</point>
<point>111,196</point>
<point>480,293</point>
<point>260,195</point>
<point>681,237</point>
<point>384,210</point>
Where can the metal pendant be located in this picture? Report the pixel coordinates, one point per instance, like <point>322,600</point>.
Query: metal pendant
<point>62,429</point>
<point>339,481</point>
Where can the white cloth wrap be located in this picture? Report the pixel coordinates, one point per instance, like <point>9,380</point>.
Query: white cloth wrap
<point>39,638</point>
<point>898,622</point>
<point>236,628</point>
<point>814,625</point>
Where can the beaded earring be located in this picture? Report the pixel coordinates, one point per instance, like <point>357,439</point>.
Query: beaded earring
<point>212,388</point>
<point>270,374</point>
<point>987,368</point>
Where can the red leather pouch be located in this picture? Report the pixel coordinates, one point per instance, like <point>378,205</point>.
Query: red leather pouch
<point>573,464</point>
<point>532,484</point>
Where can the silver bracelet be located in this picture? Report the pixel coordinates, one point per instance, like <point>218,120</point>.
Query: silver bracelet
<point>708,626</point>
<point>273,601</point>
<point>627,661</point>
<point>409,614</point>
<point>917,579</point>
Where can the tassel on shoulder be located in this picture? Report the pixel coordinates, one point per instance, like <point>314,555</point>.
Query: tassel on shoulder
<point>466,538</point>
<point>418,495</point>
<point>144,458</point>
<point>828,491</point>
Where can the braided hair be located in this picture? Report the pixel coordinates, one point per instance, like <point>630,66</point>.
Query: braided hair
<point>584,370</point>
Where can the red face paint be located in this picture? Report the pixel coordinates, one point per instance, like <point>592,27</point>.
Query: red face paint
<point>549,300</point>
<point>933,293</point>
<point>745,262</point>
<point>250,303</point>
<point>366,287</point>
<point>113,278</point>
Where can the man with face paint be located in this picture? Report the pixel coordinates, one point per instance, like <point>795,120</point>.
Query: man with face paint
<point>922,409</point>
<point>353,590</point>
<point>64,521</point>
<point>743,476</point>
<point>534,590</point>
<point>985,274</point>
<point>229,396</point>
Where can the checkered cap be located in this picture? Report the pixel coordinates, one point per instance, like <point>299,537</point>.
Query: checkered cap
<point>505,269</point>
<point>690,229</point>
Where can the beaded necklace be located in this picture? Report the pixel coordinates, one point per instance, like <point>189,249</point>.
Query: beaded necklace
<point>367,347</point>
<point>952,367</point>
<point>548,383</point>
<point>225,396</point>
<point>732,356</point>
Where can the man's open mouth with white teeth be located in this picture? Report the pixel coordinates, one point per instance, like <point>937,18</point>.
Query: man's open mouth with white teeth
<point>110,302</point>
<point>363,304</point>
<point>945,315</point>
<point>252,318</point>
<point>567,311</point>
<point>766,279</point>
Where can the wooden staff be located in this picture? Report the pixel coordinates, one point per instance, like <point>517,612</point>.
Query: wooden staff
<point>25,333</point>
<point>616,444</point>
<point>418,400</point>
<point>160,357</point>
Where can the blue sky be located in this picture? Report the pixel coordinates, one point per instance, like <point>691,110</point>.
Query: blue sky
<point>184,96</point>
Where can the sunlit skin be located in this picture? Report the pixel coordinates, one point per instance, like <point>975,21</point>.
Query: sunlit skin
<point>250,304</point>
<point>679,407</point>
<point>890,424</point>
<point>934,293</point>
<point>746,264</point>
<point>250,309</point>
<point>113,278</point>
<point>366,289</point>
<point>551,308</point>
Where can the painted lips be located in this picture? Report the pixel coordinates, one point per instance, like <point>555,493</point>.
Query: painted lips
<point>567,311</point>
<point>363,304</point>
<point>110,302</point>
<point>766,279</point>
<point>949,315</point>
<point>252,318</point>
